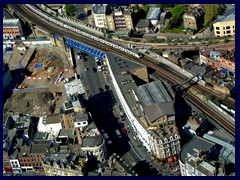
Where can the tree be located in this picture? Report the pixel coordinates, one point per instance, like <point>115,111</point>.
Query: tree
<point>136,8</point>
<point>146,8</point>
<point>70,9</point>
<point>211,12</point>
<point>177,13</point>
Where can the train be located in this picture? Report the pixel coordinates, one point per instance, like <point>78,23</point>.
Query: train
<point>99,39</point>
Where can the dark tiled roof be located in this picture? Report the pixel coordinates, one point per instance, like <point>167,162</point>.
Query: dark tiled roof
<point>92,141</point>
<point>143,23</point>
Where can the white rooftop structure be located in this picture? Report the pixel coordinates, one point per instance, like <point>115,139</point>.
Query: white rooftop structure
<point>74,87</point>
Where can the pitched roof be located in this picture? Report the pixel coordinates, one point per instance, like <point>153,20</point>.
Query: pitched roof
<point>143,23</point>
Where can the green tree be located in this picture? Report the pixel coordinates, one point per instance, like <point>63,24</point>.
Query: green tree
<point>177,13</point>
<point>70,9</point>
<point>211,12</point>
<point>163,6</point>
<point>136,8</point>
<point>146,8</point>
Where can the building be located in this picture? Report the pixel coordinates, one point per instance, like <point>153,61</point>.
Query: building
<point>12,28</point>
<point>216,60</point>
<point>122,18</point>
<point>143,26</point>
<point>50,123</point>
<point>73,87</point>
<point>16,166</point>
<point>148,106</point>
<point>173,56</point>
<point>90,140</point>
<point>113,17</point>
<point>7,77</point>
<point>225,25</point>
<point>153,15</point>
<point>193,19</point>
<point>99,14</point>
<point>197,124</point>
<point>199,157</point>
<point>7,168</point>
<point>64,164</point>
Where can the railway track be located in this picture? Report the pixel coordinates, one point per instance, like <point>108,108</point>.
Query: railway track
<point>149,62</point>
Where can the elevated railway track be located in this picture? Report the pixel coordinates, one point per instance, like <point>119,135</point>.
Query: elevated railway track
<point>161,69</point>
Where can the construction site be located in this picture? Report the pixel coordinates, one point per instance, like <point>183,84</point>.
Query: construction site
<point>37,85</point>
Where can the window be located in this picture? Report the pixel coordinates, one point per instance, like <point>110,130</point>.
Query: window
<point>218,32</point>
<point>84,122</point>
<point>228,32</point>
<point>233,26</point>
<point>217,28</point>
<point>228,27</point>
<point>223,28</point>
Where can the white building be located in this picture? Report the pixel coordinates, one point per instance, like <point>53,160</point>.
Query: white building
<point>50,123</point>
<point>16,166</point>
<point>99,14</point>
<point>192,158</point>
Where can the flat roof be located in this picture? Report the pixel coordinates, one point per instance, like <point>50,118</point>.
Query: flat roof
<point>99,8</point>
<point>195,143</point>
<point>80,117</point>
<point>74,87</point>
<point>53,118</point>
<point>10,22</point>
<point>39,148</point>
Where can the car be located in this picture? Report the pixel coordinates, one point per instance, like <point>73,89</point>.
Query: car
<point>94,69</point>
<point>124,131</point>
<point>118,133</point>
<point>106,137</point>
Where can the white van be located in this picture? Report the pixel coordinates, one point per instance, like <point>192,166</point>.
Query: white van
<point>118,133</point>
<point>99,68</point>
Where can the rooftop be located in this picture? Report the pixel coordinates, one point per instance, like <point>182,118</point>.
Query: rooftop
<point>151,93</point>
<point>196,12</point>
<point>229,15</point>
<point>6,14</point>
<point>158,110</point>
<point>80,117</point>
<point>66,133</point>
<point>10,22</point>
<point>92,141</point>
<point>74,87</point>
<point>99,8</point>
<point>153,13</point>
<point>39,148</point>
<point>52,118</point>
<point>195,143</point>
<point>143,23</point>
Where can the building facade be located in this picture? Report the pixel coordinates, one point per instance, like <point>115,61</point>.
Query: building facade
<point>216,60</point>
<point>99,15</point>
<point>225,25</point>
<point>12,28</point>
<point>193,19</point>
<point>112,17</point>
